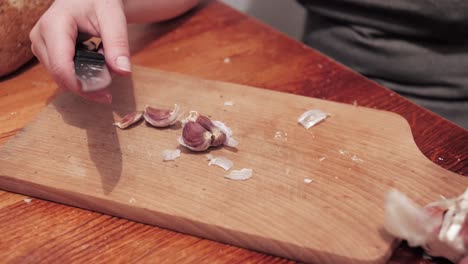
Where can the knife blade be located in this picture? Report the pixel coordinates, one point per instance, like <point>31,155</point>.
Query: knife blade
<point>90,67</point>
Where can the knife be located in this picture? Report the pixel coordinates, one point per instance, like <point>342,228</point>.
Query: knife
<point>90,66</point>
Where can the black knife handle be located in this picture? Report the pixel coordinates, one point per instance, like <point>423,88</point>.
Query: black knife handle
<point>84,52</point>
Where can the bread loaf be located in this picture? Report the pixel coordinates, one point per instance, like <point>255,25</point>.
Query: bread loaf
<point>17,18</point>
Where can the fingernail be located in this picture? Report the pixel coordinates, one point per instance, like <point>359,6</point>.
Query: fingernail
<point>124,64</point>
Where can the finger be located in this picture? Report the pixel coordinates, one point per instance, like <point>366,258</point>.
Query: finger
<point>59,37</point>
<point>464,234</point>
<point>38,47</point>
<point>464,261</point>
<point>113,29</point>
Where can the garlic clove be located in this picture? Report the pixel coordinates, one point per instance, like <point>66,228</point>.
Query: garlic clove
<point>205,122</point>
<point>195,137</point>
<point>218,136</point>
<point>229,141</point>
<point>192,117</point>
<point>161,117</point>
<point>129,119</point>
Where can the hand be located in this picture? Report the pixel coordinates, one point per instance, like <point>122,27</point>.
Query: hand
<point>54,36</point>
<point>464,234</point>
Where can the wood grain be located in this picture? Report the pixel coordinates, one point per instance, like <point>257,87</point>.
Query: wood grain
<point>72,154</point>
<point>197,44</point>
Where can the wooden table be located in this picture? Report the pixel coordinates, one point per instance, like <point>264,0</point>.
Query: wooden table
<point>196,44</point>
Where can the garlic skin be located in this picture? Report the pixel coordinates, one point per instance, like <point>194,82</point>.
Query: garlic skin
<point>438,227</point>
<point>192,117</point>
<point>450,242</point>
<point>220,161</point>
<point>307,180</point>
<point>406,220</point>
<point>161,117</point>
<point>230,141</point>
<point>195,137</point>
<point>239,175</point>
<point>170,154</point>
<point>129,119</point>
<point>219,138</point>
<point>312,117</point>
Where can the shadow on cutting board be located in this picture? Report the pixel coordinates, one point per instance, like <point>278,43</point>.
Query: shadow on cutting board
<point>101,136</point>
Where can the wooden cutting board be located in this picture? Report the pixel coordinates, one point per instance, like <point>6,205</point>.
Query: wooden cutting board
<point>72,154</point>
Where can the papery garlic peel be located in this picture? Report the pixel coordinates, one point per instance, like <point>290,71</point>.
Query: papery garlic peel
<point>230,141</point>
<point>239,175</point>
<point>129,120</point>
<point>429,227</point>
<point>220,161</point>
<point>161,117</point>
<point>312,117</point>
<point>170,154</point>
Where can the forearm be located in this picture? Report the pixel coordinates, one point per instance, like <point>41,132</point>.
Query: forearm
<point>144,11</point>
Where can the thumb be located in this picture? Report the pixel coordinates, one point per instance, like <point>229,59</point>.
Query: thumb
<point>464,261</point>
<point>113,29</point>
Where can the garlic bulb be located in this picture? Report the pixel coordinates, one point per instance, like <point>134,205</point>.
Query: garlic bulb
<point>200,132</point>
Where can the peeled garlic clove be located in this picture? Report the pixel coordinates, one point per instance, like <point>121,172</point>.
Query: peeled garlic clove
<point>161,117</point>
<point>195,137</point>
<point>129,120</point>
